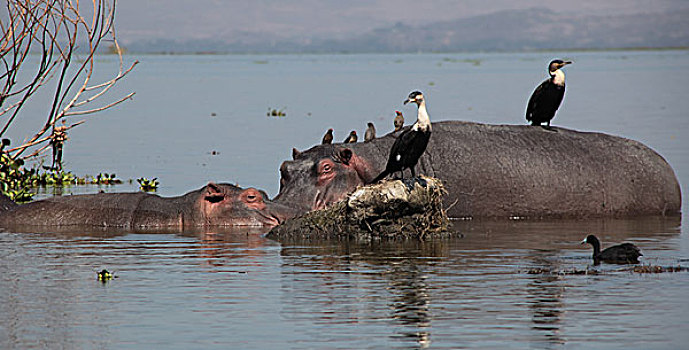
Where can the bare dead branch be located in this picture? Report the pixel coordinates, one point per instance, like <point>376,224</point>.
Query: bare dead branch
<point>65,35</point>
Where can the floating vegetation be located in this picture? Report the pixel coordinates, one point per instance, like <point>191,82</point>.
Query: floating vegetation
<point>473,61</point>
<point>658,269</point>
<point>260,62</point>
<point>106,179</point>
<point>392,210</point>
<point>431,83</point>
<point>272,112</point>
<point>105,276</point>
<point>587,271</point>
<point>15,181</point>
<point>542,271</point>
<point>147,185</point>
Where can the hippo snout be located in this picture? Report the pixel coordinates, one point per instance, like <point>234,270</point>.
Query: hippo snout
<point>278,213</point>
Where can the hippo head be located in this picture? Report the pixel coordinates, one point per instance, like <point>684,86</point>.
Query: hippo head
<point>229,205</point>
<point>320,176</point>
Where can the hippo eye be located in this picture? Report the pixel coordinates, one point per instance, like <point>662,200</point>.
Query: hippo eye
<point>327,168</point>
<point>252,196</point>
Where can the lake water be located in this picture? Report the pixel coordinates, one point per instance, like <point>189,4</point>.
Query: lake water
<point>504,284</point>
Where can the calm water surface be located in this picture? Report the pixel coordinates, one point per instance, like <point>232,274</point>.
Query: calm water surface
<point>222,289</point>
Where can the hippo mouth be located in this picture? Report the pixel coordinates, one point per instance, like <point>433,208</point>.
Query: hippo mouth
<point>271,219</point>
<point>276,216</point>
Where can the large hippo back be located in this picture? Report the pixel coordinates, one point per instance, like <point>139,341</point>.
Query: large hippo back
<point>102,209</point>
<point>525,171</point>
<point>6,203</point>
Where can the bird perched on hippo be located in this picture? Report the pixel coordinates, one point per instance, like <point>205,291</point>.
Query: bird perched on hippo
<point>212,205</point>
<point>500,171</point>
<point>411,143</point>
<point>547,97</point>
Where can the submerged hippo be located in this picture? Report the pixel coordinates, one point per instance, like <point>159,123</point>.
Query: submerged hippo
<point>501,171</point>
<point>212,205</point>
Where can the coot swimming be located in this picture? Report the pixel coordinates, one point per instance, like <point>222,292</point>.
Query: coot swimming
<point>625,253</point>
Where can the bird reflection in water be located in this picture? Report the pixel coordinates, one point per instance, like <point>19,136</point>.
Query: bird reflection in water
<point>410,302</point>
<point>544,297</point>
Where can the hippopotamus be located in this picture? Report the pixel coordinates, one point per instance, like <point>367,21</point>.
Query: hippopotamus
<point>501,171</point>
<point>212,205</point>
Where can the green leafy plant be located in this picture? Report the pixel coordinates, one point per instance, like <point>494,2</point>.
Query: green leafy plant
<point>15,180</point>
<point>147,185</point>
<point>105,179</point>
<point>272,112</point>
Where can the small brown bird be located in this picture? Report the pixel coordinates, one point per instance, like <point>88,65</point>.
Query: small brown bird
<point>370,133</point>
<point>328,137</point>
<point>399,121</point>
<point>351,138</point>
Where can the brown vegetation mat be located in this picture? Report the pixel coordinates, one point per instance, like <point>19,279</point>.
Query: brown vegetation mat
<point>635,269</point>
<point>390,210</point>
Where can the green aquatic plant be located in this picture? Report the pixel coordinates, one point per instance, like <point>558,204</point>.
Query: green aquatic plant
<point>272,112</point>
<point>15,180</point>
<point>105,179</point>
<point>147,185</point>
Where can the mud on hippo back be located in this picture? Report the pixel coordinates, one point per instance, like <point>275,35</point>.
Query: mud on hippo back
<point>501,171</point>
<point>212,205</point>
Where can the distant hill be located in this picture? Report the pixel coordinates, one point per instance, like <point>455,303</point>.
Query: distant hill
<point>511,30</point>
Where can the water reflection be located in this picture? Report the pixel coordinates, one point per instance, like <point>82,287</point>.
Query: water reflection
<point>410,302</point>
<point>545,294</point>
<point>471,291</point>
<point>356,282</point>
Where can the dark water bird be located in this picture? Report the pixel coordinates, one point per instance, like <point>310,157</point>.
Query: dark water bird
<point>351,138</point>
<point>547,97</point>
<point>411,143</point>
<point>625,253</point>
<point>370,133</point>
<point>328,137</point>
<point>399,121</point>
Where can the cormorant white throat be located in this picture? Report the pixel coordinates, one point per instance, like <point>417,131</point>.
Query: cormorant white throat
<point>411,143</point>
<point>547,97</point>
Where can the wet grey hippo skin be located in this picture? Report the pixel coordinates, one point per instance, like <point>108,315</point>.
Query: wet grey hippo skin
<point>212,205</point>
<point>501,171</point>
<point>6,203</point>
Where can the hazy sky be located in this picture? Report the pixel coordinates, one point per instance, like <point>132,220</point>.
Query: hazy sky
<point>192,19</point>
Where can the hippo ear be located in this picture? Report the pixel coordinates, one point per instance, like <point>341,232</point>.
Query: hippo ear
<point>214,193</point>
<point>344,155</point>
<point>295,153</point>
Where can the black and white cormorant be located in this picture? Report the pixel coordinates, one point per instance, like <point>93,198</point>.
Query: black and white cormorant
<point>351,138</point>
<point>328,137</point>
<point>547,97</point>
<point>399,121</point>
<point>411,143</point>
<point>370,133</point>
